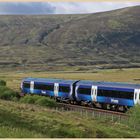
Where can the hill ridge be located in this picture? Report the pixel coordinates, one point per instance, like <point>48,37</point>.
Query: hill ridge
<point>87,41</point>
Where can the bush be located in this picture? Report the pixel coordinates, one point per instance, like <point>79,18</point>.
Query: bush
<point>29,99</point>
<point>45,101</point>
<point>134,119</point>
<point>7,93</point>
<point>2,83</point>
<point>40,100</point>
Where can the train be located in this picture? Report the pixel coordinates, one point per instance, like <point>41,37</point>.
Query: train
<point>99,94</point>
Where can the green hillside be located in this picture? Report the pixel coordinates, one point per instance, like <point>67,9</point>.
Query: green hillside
<point>25,120</point>
<point>54,42</point>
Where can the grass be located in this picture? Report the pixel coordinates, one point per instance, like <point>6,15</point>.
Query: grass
<point>30,117</point>
<point>39,100</point>
<point>7,93</point>
<point>25,120</point>
<point>13,79</point>
<point>54,42</point>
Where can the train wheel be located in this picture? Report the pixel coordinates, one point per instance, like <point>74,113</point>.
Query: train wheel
<point>91,105</point>
<point>71,102</point>
<point>57,100</point>
<point>117,108</point>
<point>104,106</point>
<point>78,103</point>
<point>124,109</point>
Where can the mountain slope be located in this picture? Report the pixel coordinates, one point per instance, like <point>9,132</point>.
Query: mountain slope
<point>103,40</point>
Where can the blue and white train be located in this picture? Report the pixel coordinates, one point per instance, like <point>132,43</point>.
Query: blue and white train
<point>107,95</point>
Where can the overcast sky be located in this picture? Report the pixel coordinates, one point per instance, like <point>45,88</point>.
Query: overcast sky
<point>60,7</point>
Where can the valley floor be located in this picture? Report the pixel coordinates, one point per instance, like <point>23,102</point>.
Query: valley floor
<point>13,79</point>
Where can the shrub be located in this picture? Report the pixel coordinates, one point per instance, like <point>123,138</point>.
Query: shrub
<point>2,83</point>
<point>39,100</point>
<point>7,93</point>
<point>134,119</point>
<point>45,101</point>
<point>29,99</point>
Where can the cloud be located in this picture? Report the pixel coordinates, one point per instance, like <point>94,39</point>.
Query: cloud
<point>60,7</point>
<point>26,8</point>
<point>89,7</point>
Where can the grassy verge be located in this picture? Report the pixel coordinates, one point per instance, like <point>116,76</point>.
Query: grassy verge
<point>27,120</point>
<point>39,100</point>
<point>29,117</point>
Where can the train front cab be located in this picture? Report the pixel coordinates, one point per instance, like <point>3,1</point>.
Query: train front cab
<point>137,96</point>
<point>118,98</point>
<point>107,97</point>
<point>39,87</point>
<point>25,87</point>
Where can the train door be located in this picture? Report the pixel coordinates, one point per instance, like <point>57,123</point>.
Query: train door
<point>71,90</point>
<point>94,93</point>
<point>56,89</point>
<point>32,87</point>
<point>76,94</point>
<point>137,96</point>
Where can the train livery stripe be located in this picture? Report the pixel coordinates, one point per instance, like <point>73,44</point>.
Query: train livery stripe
<point>84,97</point>
<point>119,101</point>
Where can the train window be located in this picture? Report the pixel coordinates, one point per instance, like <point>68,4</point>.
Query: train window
<point>86,91</point>
<point>44,87</point>
<point>26,85</point>
<point>115,94</point>
<point>64,89</point>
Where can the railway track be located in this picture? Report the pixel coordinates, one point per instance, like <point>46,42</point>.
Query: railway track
<point>94,112</point>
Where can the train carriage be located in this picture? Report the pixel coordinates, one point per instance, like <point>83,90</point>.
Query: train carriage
<point>106,95</point>
<point>118,93</point>
<point>39,86</point>
<point>58,88</point>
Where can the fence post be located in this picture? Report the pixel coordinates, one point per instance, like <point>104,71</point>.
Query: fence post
<point>112,118</point>
<point>99,114</point>
<point>56,108</point>
<point>81,113</point>
<point>119,119</point>
<point>93,114</point>
<point>86,113</point>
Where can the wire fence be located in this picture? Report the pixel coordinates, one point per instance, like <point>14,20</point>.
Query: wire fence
<point>95,114</point>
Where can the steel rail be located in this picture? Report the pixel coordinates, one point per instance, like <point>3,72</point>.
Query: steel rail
<point>74,107</point>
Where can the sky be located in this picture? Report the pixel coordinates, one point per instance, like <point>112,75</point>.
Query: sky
<point>30,8</point>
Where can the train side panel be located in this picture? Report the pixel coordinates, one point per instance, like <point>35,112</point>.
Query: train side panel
<point>83,93</point>
<point>64,91</point>
<point>118,96</point>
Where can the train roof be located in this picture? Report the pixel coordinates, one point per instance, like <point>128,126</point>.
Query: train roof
<point>84,82</point>
<point>67,81</point>
<point>110,84</point>
<point>50,80</point>
<point>41,79</point>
